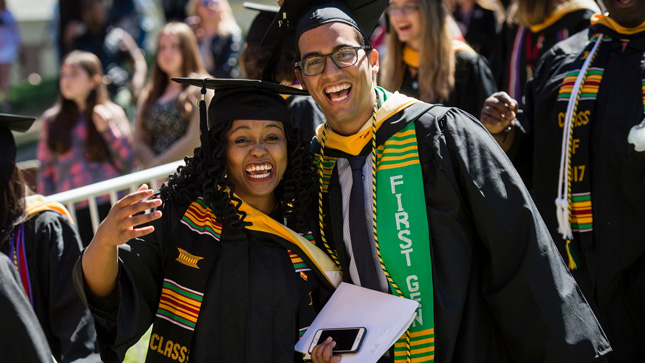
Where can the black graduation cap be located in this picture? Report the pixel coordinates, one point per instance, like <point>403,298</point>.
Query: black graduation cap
<point>10,123</point>
<point>261,22</point>
<point>298,16</point>
<point>240,99</point>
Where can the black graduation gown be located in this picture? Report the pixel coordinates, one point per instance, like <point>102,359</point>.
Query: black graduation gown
<point>612,274</point>
<point>226,51</point>
<point>253,306</point>
<point>482,28</point>
<point>501,290</point>
<point>474,82</point>
<point>305,114</point>
<point>21,337</point>
<point>571,23</point>
<point>52,249</point>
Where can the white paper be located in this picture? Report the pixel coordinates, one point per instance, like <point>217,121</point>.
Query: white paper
<point>385,318</point>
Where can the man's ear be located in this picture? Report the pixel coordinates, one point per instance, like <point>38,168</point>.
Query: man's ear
<point>301,79</point>
<point>374,61</point>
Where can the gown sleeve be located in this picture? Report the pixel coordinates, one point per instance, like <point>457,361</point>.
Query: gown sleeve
<point>21,338</point>
<point>533,299</point>
<point>70,330</point>
<point>123,317</point>
<point>474,82</point>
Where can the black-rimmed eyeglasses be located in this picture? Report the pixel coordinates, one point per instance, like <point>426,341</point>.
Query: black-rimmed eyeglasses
<point>342,58</point>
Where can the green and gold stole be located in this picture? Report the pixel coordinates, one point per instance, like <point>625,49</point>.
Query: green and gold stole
<point>400,223</point>
<point>188,268</point>
<point>576,101</point>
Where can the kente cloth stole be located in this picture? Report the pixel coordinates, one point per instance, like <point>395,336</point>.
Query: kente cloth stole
<point>576,100</point>
<point>401,233</point>
<point>188,268</point>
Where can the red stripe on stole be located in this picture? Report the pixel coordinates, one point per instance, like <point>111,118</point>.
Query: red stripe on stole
<point>174,302</point>
<point>581,212</point>
<point>592,83</point>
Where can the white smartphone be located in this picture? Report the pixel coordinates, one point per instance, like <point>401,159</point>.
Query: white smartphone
<point>348,340</point>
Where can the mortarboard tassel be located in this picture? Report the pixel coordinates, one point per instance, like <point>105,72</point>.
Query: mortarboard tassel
<point>203,123</point>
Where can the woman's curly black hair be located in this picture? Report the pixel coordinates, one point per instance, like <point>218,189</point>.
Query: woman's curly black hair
<point>200,177</point>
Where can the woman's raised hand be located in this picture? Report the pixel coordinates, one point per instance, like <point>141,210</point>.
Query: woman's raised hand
<point>120,225</point>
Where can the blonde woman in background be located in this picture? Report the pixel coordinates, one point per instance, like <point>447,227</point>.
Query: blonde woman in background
<point>424,60</point>
<point>218,35</point>
<point>167,124</point>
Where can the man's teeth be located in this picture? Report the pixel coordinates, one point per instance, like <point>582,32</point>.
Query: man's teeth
<point>338,88</point>
<point>336,99</point>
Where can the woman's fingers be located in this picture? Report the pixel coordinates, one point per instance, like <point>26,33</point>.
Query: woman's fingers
<point>498,112</point>
<point>323,352</point>
<point>128,213</point>
<point>144,218</point>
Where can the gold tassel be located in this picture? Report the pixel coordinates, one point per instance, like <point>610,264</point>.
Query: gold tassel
<point>572,262</point>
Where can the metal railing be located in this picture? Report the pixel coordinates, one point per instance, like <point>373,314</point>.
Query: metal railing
<point>129,183</point>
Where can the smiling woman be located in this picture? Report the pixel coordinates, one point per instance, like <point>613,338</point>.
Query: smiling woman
<point>213,267</point>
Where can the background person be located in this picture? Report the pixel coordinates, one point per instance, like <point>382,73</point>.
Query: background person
<point>480,21</point>
<point>532,27</point>
<point>43,245</point>
<point>121,58</point>
<point>218,35</point>
<point>167,123</point>
<point>10,48</point>
<point>424,60</point>
<point>596,181</point>
<point>85,138</point>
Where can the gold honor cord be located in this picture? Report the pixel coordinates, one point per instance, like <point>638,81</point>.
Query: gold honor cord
<point>320,211</point>
<point>320,197</point>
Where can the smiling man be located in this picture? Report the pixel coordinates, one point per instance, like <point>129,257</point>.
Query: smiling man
<point>580,138</point>
<point>456,229</point>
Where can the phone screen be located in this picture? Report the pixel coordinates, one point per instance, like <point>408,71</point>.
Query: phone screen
<point>344,338</point>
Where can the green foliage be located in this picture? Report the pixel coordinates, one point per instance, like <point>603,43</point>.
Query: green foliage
<point>28,99</point>
<point>138,350</point>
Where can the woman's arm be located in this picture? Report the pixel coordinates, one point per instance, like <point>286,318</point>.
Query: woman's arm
<point>184,145</point>
<point>100,260</point>
<point>112,123</point>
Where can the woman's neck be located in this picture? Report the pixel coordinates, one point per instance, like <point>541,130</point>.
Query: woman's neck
<point>265,205</point>
<point>210,28</point>
<point>414,44</point>
<point>81,105</point>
